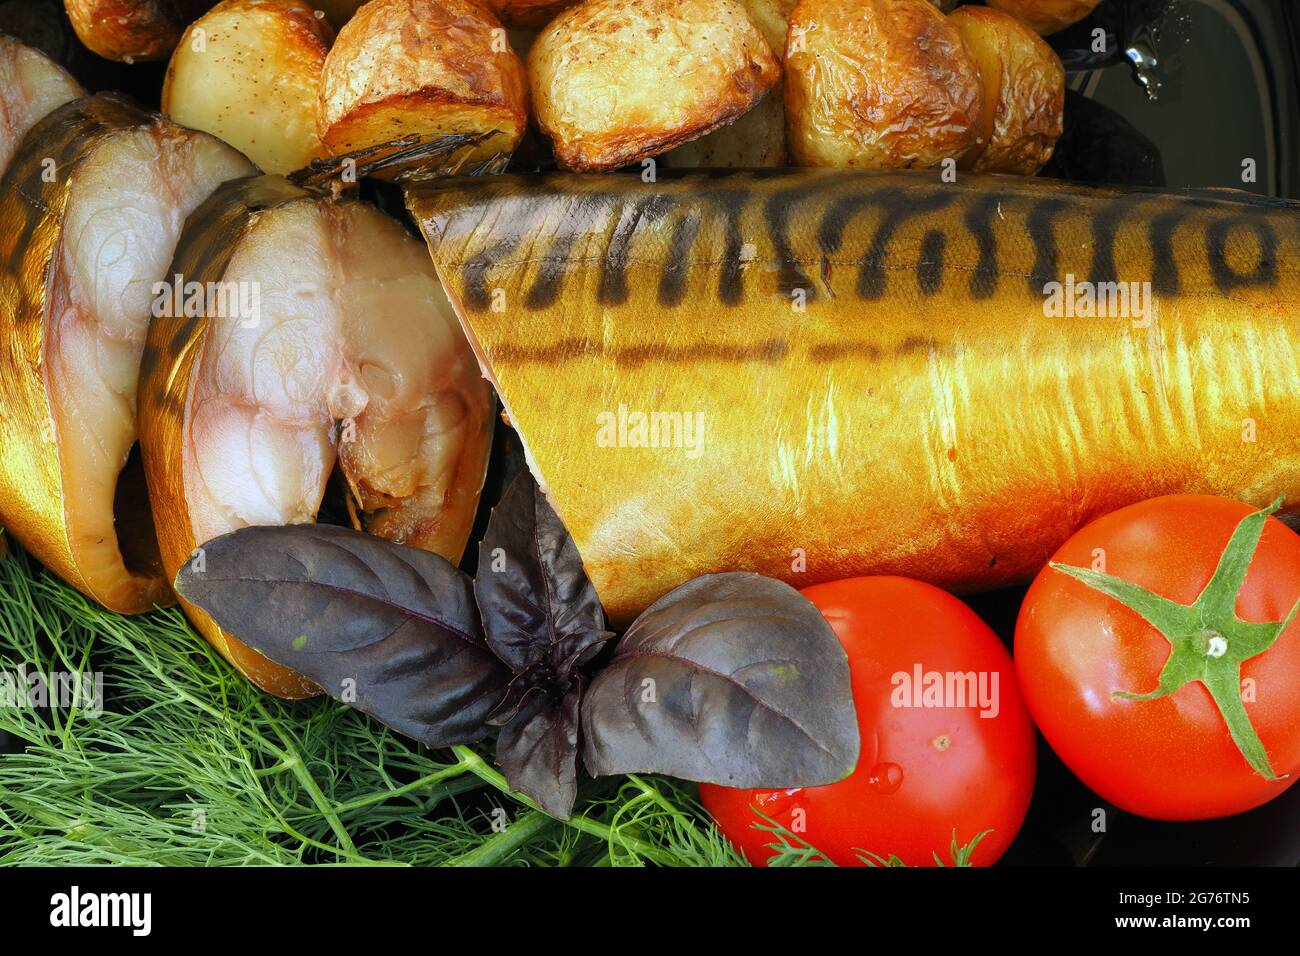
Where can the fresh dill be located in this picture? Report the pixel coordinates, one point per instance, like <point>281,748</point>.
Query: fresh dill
<point>186,763</point>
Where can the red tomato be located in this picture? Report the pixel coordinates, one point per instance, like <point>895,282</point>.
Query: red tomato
<point>1170,758</point>
<point>926,773</point>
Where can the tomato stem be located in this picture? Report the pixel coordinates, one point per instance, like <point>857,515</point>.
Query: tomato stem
<point>1208,642</point>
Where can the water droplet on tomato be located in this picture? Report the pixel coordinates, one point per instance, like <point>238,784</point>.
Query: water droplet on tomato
<point>776,803</point>
<point>885,777</point>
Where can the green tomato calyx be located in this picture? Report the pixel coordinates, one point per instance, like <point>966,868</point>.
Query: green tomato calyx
<point>1213,644</point>
<point>1208,642</point>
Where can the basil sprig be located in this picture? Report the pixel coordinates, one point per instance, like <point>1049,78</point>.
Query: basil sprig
<point>731,678</point>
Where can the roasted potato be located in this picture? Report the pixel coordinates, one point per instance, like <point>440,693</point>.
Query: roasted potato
<point>249,72</point>
<point>615,81</point>
<point>1046,16</point>
<point>772,17</point>
<point>755,140</point>
<point>131,30</point>
<point>1023,101</point>
<point>527,14</point>
<point>878,84</point>
<point>402,67</point>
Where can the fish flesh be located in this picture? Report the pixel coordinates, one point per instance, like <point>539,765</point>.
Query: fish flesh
<point>91,207</point>
<point>351,357</point>
<point>819,374</point>
<point>31,85</point>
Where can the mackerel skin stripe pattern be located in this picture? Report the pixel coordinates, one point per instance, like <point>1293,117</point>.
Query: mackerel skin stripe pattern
<point>880,386</point>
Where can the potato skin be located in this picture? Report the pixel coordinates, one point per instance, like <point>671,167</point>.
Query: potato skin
<point>614,81</point>
<point>264,52</point>
<point>421,66</point>
<point>1024,92</point>
<point>132,30</point>
<point>527,14</point>
<point>878,84</point>
<point>1046,16</point>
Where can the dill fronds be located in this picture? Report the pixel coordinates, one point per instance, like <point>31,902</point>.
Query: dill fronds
<point>189,764</point>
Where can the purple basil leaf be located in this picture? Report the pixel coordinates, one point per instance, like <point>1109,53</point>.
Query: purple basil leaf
<point>734,679</point>
<point>538,750</point>
<point>391,630</point>
<point>537,606</point>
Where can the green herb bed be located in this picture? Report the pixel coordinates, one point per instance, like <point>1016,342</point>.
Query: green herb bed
<point>189,764</point>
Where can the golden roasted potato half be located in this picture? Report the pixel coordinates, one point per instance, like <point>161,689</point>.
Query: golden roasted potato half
<point>1023,101</point>
<point>249,73</point>
<point>130,30</point>
<point>1046,16</point>
<point>879,84</point>
<point>755,140</point>
<point>403,67</point>
<point>527,14</point>
<point>772,17</point>
<point>615,81</point>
